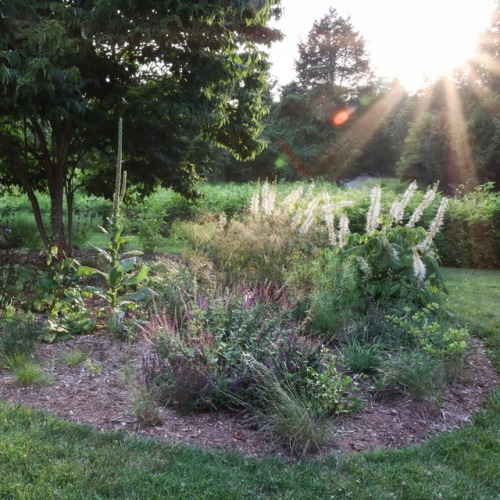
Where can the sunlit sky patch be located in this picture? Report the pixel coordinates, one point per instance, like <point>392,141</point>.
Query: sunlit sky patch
<point>414,41</point>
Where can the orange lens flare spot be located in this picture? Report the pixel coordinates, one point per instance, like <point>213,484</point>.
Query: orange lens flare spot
<point>341,117</point>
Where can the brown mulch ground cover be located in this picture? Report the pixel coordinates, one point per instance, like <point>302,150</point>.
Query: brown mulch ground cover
<point>95,393</point>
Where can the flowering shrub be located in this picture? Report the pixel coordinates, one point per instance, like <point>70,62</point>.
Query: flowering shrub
<point>396,261</point>
<point>391,262</point>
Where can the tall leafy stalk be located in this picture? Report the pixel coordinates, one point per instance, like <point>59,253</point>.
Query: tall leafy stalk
<point>125,270</point>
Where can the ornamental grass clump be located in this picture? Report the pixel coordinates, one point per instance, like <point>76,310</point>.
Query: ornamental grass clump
<point>25,370</point>
<point>255,250</point>
<point>273,236</point>
<point>280,409</point>
<point>415,373</point>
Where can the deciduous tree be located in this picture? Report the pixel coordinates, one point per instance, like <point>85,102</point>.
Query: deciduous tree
<point>180,72</point>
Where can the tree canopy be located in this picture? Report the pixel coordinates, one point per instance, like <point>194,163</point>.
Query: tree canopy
<point>179,72</point>
<point>333,74</point>
<point>333,60</point>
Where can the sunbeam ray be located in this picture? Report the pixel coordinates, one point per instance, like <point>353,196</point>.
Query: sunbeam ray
<point>462,169</point>
<point>344,151</point>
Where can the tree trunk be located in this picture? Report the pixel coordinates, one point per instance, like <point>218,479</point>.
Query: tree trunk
<point>56,192</point>
<point>55,161</point>
<point>28,189</point>
<point>70,196</point>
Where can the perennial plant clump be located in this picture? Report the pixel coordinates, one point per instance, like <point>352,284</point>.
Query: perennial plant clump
<point>393,261</point>
<point>59,294</point>
<point>205,361</point>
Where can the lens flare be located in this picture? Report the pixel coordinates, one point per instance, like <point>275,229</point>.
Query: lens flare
<point>342,116</point>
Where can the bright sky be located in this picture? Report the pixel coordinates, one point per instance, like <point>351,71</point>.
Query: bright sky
<point>406,40</point>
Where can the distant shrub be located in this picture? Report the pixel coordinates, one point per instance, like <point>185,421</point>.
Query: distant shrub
<point>85,224</point>
<point>92,206</point>
<point>471,232</point>
<point>229,198</point>
<point>20,231</point>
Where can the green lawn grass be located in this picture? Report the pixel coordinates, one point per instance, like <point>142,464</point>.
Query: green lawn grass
<point>474,297</point>
<point>42,457</point>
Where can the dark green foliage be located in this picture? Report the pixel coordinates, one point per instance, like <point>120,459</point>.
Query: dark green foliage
<point>483,124</point>
<point>470,235</point>
<point>425,156</point>
<point>484,135</point>
<point>18,333</point>
<point>57,289</point>
<point>59,295</point>
<point>390,274</point>
<point>333,75</point>
<point>193,73</point>
<point>20,231</point>
<point>16,282</point>
<point>333,62</point>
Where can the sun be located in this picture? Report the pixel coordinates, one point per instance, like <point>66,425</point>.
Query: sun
<point>419,42</point>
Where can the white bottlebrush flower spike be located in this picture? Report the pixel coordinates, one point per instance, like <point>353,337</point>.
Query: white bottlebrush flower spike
<point>372,219</point>
<point>395,210</point>
<point>343,230</point>
<point>265,191</point>
<point>268,198</point>
<point>398,207</point>
<point>309,215</point>
<point>330,222</point>
<point>428,199</point>
<point>291,199</point>
<point>419,269</point>
<point>436,223</point>
<point>255,202</point>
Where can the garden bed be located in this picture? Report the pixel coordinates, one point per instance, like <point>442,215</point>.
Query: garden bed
<point>95,393</point>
